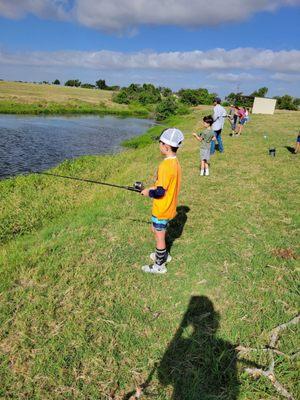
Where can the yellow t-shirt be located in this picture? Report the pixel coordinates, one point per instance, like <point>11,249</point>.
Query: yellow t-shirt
<point>169,177</point>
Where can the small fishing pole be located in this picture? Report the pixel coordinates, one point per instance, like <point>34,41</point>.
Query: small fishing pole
<point>137,186</point>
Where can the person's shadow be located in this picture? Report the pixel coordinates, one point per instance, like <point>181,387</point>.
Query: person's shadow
<point>290,149</point>
<point>197,364</point>
<point>176,225</point>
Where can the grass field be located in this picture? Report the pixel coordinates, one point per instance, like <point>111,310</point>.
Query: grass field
<point>78,318</point>
<point>29,98</point>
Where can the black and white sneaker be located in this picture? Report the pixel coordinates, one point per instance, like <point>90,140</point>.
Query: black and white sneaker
<point>155,269</point>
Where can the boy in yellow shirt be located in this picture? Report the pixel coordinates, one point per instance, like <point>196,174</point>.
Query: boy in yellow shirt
<point>165,197</point>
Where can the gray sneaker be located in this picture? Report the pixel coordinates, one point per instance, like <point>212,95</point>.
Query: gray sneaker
<point>155,269</point>
<point>152,257</point>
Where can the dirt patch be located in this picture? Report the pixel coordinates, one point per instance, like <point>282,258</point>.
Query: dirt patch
<point>287,254</point>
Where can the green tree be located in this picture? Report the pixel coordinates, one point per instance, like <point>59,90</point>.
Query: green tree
<point>165,91</point>
<point>113,88</point>
<point>188,96</point>
<point>145,94</point>
<point>261,92</point>
<point>194,97</point>
<point>238,99</point>
<point>56,82</point>
<point>121,97</point>
<point>101,84</point>
<point>166,108</point>
<point>285,102</point>
<point>73,82</point>
<point>87,86</point>
<point>296,102</point>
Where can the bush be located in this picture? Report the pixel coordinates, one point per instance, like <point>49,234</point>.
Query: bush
<point>87,86</point>
<point>146,94</point>
<point>121,97</point>
<point>73,82</point>
<point>194,97</point>
<point>286,102</point>
<point>166,108</point>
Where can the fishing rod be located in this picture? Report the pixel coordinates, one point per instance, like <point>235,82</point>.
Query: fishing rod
<point>137,186</point>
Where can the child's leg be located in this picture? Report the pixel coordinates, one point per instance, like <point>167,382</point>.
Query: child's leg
<point>206,168</point>
<point>212,147</point>
<point>160,239</point>
<point>202,167</point>
<point>220,143</point>
<point>161,253</point>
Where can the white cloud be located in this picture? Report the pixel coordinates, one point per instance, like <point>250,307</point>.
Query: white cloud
<point>124,15</point>
<point>47,9</point>
<point>291,78</point>
<point>117,15</point>
<point>240,59</point>
<point>234,78</point>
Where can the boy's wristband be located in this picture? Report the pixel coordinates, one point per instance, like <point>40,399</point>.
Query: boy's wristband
<point>157,193</point>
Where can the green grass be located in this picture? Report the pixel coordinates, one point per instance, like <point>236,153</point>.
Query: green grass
<point>78,319</point>
<point>27,98</point>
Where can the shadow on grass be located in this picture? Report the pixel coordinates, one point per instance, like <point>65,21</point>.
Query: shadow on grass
<point>196,363</point>
<point>176,225</point>
<point>290,149</point>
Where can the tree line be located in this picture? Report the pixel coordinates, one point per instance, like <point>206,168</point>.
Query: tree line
<point>168,102</point>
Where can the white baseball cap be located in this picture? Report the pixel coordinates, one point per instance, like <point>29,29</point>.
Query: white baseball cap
<point>172,136</point>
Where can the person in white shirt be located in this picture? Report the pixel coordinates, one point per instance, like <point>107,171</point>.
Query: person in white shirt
<point>219,116</point>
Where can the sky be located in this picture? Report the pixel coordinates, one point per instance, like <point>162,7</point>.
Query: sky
<point>222,45</point>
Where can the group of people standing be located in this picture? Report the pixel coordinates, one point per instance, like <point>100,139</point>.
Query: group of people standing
<point>212,134</point>
<point>238,117</point>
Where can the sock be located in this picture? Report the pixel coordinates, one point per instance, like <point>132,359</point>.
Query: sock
<point>207,171</point>
<point>161,256</point>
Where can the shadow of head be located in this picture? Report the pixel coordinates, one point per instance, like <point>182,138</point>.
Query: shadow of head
<point>201,315</point>
<point>182,209</point>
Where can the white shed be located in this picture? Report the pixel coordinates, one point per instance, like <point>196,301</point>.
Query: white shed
<point>262,105</point>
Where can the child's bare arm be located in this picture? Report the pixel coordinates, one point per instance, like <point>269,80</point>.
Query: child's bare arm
<point>199,138</point>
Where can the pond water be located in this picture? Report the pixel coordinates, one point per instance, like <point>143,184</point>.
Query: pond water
<point>30,143</point>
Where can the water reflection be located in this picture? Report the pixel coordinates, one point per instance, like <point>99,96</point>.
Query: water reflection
<point>38,143</point>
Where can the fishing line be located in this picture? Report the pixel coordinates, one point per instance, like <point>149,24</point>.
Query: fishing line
<point>137,186</point>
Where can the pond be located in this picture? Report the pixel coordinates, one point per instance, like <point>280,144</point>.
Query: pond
<point>30,143</point>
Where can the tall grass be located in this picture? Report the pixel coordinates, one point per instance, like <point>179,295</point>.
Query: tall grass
<point>75,107</point>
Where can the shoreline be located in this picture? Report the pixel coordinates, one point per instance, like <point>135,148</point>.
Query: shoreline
<point>78,108</point>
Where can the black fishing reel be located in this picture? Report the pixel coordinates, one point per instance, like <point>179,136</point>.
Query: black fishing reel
<point>137,187</point>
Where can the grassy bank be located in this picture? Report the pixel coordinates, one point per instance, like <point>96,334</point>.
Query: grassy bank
<point>79,319</point>
<point>27,98</point>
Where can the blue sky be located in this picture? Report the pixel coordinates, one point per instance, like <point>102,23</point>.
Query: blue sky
<point>221,45</point>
